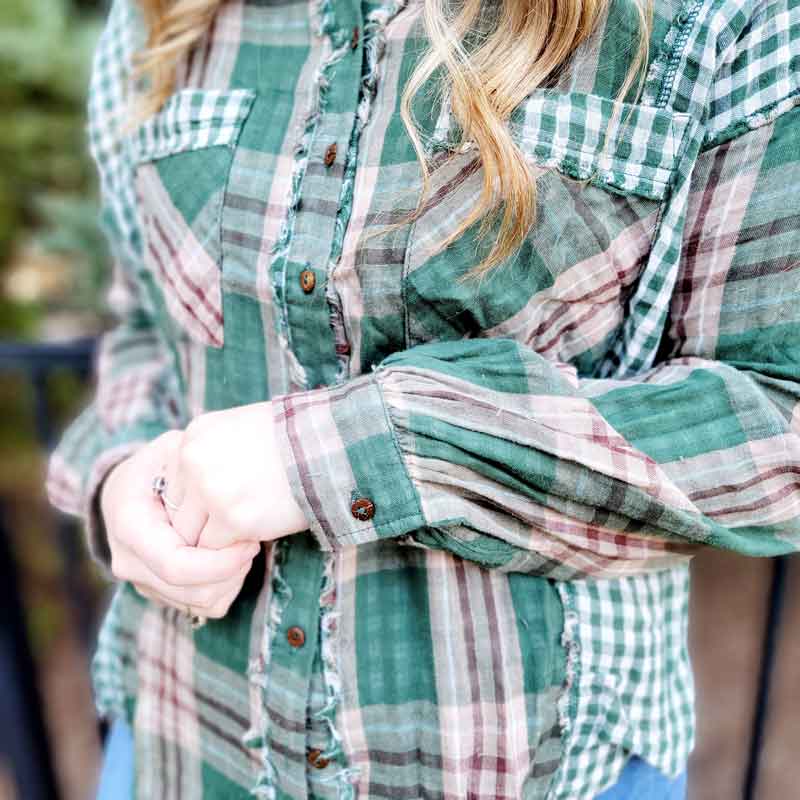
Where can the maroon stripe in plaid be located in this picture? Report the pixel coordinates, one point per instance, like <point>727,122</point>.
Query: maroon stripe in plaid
<point>501,767</point>
<point>289,413</point>
<point>194,290</point>
<point>762,477</point>
<point>472,671</point>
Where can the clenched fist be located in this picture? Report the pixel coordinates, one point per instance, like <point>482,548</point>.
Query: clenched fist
<point>147,551</point>
<point>227,479</point>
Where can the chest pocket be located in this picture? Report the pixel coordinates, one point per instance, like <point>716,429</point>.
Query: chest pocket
<point>599,205</point>
<point>182,157</point>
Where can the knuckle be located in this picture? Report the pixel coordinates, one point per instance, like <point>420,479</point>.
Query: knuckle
<point>238,516</point>
<point>190,453</point>
<point>234,517</point>
<point>168,439</point>
<point>172,435</point>
<point>194,428</point>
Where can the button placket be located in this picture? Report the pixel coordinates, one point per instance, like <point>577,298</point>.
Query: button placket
<point>296,636</point>
<point>317,210</point>
<point>295,612</point>
<point>308,280</point>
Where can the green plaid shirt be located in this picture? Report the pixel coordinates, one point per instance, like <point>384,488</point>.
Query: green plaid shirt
<point>503,483</point>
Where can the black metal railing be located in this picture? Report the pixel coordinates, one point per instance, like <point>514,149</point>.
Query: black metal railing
<point>23,739</point>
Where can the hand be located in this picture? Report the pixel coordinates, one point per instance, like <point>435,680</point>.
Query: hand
<point>229,480</point>
<point>148,552</point>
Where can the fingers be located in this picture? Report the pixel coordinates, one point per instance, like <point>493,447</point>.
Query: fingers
<point>179,564</point>
<point>220,608</point>
<point>148,546</point>
<point>188,520</point>
<point>216,535</point>
<point>212,600</point>
<point>135,570</point>
<point>185,508</point>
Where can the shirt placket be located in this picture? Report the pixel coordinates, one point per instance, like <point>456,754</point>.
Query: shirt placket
<point>300,273</point>
<point>301,757</point>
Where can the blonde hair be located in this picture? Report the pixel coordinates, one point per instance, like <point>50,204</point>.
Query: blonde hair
<point>519,45</point>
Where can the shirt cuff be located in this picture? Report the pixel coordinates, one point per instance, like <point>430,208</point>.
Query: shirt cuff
<point>344,463</point>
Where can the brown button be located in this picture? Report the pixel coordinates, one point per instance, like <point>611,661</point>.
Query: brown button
<point>343,348</point>
<point>363,509</point>
<point>354,39</point>
<point>315,760</point>
<point>308,280</point>
<point>296,636</point>
<point>330,154</point>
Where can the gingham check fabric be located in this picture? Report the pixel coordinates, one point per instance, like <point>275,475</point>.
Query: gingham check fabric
<point>539,455</point>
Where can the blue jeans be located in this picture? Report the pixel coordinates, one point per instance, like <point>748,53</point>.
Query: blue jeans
<point>116,776</point>
<point>639,781</point>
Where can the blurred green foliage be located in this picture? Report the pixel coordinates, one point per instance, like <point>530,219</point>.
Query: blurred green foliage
<point>48,205</point>
<point>47,179</point>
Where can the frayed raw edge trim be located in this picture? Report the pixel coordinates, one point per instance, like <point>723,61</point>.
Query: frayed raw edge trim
<point>374,39</point>
<point>347,776</point>
<point>280,249</point>
<point>257,737</point>
<point>568,700</point>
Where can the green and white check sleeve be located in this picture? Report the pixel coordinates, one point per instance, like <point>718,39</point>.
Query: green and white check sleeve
<point>136,396</point>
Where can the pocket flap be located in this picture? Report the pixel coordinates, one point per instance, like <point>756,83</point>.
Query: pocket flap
<point>565,130</point>
<point>191,119</point>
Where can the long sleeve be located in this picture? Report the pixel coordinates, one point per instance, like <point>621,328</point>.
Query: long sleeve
<point>135,393</point>
<point>485,448</point>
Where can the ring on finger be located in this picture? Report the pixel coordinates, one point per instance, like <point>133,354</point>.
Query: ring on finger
<point>195,620</point>
<point>159,486</point>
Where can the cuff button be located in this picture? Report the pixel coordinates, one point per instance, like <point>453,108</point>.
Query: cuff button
<point>363,509</point>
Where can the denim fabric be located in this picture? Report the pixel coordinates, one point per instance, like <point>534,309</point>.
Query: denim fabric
<point>116,776</point>
<point>642,781</point>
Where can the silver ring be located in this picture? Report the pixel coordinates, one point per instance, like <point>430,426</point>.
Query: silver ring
<point>195,620</point>
<point>160,490</point>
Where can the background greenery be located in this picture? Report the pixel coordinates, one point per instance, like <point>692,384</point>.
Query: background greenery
<point>52,257</point>
<point>53,271</point>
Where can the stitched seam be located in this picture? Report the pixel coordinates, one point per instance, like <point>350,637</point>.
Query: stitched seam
<point>682,38</point>
<point>390,422</point>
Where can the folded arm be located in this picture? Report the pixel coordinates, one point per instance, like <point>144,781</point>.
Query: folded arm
<point>484,448</point>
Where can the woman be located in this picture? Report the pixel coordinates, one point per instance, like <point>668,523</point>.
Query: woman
<point>446,336</point>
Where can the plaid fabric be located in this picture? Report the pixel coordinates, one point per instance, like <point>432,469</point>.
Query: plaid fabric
<point>543,453</point>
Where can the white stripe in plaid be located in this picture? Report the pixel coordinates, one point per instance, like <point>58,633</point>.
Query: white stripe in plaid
<point>192,119</point>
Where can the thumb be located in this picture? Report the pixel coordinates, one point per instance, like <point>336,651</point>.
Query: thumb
<point>190,517</point>
<point>217,536</point>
